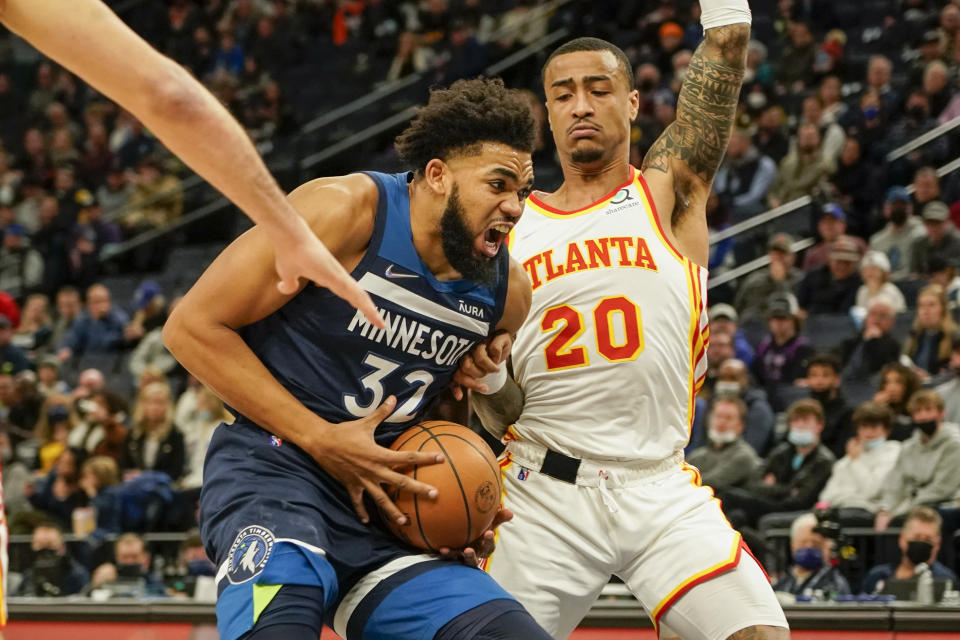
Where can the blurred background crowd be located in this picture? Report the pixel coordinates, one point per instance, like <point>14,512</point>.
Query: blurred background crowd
<point>834,354</point>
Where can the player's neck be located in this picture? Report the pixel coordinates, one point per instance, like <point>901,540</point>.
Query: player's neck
<point>585,184</point>
<point>427,240</point>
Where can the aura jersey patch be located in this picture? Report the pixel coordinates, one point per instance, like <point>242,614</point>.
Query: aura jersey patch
<point>249,553</point>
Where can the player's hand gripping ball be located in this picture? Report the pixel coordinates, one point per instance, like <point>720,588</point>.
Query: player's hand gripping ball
<point>467,483</point>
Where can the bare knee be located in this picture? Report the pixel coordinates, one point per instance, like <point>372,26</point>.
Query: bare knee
<point>761,632</point>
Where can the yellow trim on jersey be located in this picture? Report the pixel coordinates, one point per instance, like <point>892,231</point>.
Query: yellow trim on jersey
<point>724,565</point>
<point>504,463</point>
<point>694,333</point>
<point>655,222</point>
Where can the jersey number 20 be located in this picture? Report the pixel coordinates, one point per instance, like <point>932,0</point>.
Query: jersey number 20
<point>559,353</point>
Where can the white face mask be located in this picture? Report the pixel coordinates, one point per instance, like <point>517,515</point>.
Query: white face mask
<point>727,388</point>
<point>721,437</point>
<point>874,443</point>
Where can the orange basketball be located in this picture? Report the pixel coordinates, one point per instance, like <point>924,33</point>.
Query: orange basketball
<point>467,482</point>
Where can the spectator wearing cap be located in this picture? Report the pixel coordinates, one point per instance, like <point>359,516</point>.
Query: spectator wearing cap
<point>21,266</point>
<point>942,240</point>
<point>897,237</point>
<point>48,376</point>
<point>671,41</point>
<point>930,341</point>
<point>745,177</point>
<point>782,356</point>
<point>870,349</point>
<point>724,319</point>
<point>832,225</point>
<point>98,330</point>
<point>779,277</point>
<point>926,470</point>
<point>875,272</point>
<point>804,171</point>
<point>13,359</point>
<point>832,288</point>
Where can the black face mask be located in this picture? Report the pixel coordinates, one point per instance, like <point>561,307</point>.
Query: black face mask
<point>129,571</point>
<point>917,113</point>
<point>927,427</point>
<point>49,570</point>
<point>898,215</point>
<point>821,396</point>
<point>646,85</point>
<point>919,551</point>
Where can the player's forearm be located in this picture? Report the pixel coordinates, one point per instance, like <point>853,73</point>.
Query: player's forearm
<point>707,105</point>
<point>500,409</point>
<point>90,40</point>
<point>220,359</point>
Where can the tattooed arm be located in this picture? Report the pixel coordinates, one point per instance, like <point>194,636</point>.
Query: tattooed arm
<point>682,163</point>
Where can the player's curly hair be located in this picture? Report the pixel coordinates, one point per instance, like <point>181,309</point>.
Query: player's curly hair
<point>456,121</point>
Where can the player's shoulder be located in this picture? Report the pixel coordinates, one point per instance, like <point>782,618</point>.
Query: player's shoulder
<point>339,207</point>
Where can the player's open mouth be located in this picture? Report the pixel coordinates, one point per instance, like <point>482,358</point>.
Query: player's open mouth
<point>493,238</point>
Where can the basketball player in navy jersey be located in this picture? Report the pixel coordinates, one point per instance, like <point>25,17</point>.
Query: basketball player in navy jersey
<point>319,392</point>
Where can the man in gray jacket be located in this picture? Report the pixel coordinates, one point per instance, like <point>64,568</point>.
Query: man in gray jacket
<point>726,460</point>
<point>926,470</point>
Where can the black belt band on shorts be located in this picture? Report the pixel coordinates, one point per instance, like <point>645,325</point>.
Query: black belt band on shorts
<point>556,465</point>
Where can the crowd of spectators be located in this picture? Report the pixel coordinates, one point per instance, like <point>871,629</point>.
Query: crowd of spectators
<point>834,373</point>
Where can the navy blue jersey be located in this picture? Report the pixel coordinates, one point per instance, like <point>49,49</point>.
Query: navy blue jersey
<point>340,366</point>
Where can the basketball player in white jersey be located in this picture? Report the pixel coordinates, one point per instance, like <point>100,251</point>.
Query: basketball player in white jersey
<point>610,358</point>
<point>87,38</point>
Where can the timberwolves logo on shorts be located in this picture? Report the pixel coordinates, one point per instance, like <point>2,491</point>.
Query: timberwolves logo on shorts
<point>249,553</point>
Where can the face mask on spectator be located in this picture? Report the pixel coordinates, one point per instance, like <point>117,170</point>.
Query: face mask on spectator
<point>870,113</point>
<point>721,437</point>
<point>919,551</point>
<point>201,567</point>
<point>809,558</point>
<point>927,427</point>
<point>801,437</point>
<point>129,571</point>
<point>918,113</point>
<point>204,415</point>
<point>874,443</point>
<point>727,388</point>
<point>898,215</point>
<point>48,572</point>
<point>821,396</point>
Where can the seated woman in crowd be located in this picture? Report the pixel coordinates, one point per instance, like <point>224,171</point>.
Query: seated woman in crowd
<point>156,444</point>
<point>897,384</point>
<point>53,428</point>
<point>58,493</point>
<point>928,345</point>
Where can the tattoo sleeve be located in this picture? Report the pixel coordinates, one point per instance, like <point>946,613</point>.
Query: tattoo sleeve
<point>499,410</point>
<point>706,107</point>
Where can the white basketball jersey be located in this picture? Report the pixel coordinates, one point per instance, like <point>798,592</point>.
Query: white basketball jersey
<point>614,349</point>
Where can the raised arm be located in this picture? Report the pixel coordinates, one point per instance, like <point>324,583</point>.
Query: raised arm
<point>90,40</point>
<point>682,163</point>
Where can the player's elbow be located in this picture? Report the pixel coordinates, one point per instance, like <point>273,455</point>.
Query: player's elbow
<point>177,96</point>
<point>175,333</point>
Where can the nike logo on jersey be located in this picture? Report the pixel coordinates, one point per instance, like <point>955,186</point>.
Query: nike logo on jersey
<point>390,273</point>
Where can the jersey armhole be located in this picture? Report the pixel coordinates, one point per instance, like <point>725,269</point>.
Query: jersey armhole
<point>379,225</point>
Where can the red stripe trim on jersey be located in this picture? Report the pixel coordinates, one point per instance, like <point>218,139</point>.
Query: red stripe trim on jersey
<point>694,580</point>
<point>560,212</point>
<point>656,216</point>
<point>694,332</point>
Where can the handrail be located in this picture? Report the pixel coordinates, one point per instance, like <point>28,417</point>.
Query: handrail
<point>799,245</point>
<point>759,219</point>
<point>113,250</point>
<point>401,83</point>
<point>392,121</point>
<point>919,141</point>
<point>753,265</point>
